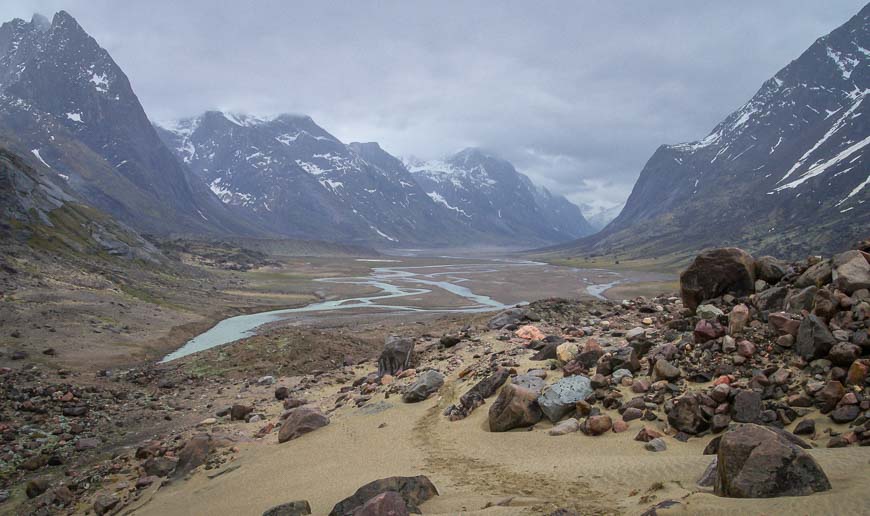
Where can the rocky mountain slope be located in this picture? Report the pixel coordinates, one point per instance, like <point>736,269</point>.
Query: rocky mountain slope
<point>65,101</point>
<point>294,176</point>
<point>488,194</point>
<point>787,173</point>
<point>37,211</point>
<point>291,174</point>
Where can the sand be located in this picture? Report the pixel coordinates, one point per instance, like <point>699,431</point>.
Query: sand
<point>528,472</point>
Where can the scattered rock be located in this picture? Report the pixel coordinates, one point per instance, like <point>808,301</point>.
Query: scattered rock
<point>561,397</point>
<point>515,407</point>
<point>413,491</point>
<point>716,272</point>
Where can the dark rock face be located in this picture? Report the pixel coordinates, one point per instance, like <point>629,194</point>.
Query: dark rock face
<point>424,386</point>
<point>398,354</point>
<point>755,462</point>
<point>717,272</point>
<point>413,491</point>
<point>301,421</point>
<point>814,340</point>
<point>515,407</point>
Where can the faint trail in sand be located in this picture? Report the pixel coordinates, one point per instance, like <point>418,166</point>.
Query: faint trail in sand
<point>472,472</point>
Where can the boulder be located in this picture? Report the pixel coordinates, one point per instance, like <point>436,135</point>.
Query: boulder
<point>816,276</point>
<point>483,389</point>
<point>756,462</point>
<point>771,300</point>
<point>597,425</point>
<point>664,370</point>
<point>534,383</point>
<point>567,351</point>
<point>656,445</point>
<point>413,491</point>
<point>509,317</point>
<point>193,454</point>
<point>770,269</point>
<point>805,427</point>
<point>685,415</point>
<point>814,340</point>
<point>746,407</point>
<point>398,354</point>
<point>301,421</point>
<point>159,466</point>
<point>707,330</point>
<point>515,407</point>
<point>384,504</point>
<point>530,332</point>
<point>716,272</point>
<point>568,426</point>
<point>560,398</point>
<point>294,508</point>
<point>424,386</point>
<point>738,318</point>
<point>239,412</point>
<point>844,353</point>
<point>625,358</point>
<point>799,300</point>
<point>448,341</point>
<point>850,271</point>
<point>708,312</point>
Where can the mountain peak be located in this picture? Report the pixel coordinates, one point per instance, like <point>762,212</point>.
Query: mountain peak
<point>40,22</point>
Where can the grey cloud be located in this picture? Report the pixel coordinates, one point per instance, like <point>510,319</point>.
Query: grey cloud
<point>577,94</point>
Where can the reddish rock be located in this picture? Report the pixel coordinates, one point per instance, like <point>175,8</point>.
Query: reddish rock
<point>858,372</point>
<point>707,330</point>
<point>515,407</point>
<point>745,349</point>
<point>530,332</point>
<point>597,425</point>
<point>389,503</point>
<point>300,422</point>
<point>646,435</point>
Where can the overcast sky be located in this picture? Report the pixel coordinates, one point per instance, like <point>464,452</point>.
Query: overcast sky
<point>576,94</point>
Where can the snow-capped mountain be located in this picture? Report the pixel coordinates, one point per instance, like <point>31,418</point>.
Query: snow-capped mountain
<point>788,173</point>
<point>65,101</point>
<point>292,174</point>
<point>488,194</point>
<point>600,216</point>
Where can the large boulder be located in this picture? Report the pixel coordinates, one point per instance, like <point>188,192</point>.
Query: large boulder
<point>424,386</point>
<point>193,454</point>
<point>850,271</point>
<point>515,407</point>
<point>756,462</point>
<point>717,272</point>
<point>814,339</point>
<point>746,407</point>
<point>398,354</point>
<point>816,276</point>
<point>413,490</point>
<point>301,421</point>
<point>561,398</point>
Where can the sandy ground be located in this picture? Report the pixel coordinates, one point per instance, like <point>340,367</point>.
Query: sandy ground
<point>479,472</point>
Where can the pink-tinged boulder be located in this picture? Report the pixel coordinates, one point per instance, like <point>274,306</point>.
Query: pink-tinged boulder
<point>756,462</point>
<point>716,272</point>
<point>300,422</point>
<point>738,319</point>
<point>530,332</point>
<point>412,490</point>
<point>783,324</point>
<point>707,330</point>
